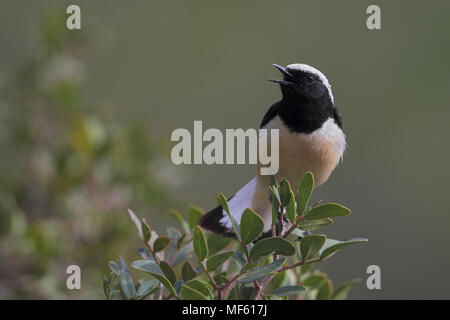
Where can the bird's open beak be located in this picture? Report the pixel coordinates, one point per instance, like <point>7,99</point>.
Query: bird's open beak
<point>287,75</point>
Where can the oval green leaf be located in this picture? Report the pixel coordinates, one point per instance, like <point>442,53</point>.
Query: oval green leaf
<point>127,285</point>
<point>304,192</point>
<point>145,287</point>
<point>218,259</point>
<point>285,192</point>
<point>201,286</point>
<point>262,272</point>
<point>273,244</point>
<point>287,291</point>
<point>310,246</point>
<point>275,197</point>
<point>290,210</point>
<point>200,245</point>
<point>189,293</point>
<point>146,231</point>
<point>165,282</point>
<point>327,210</point>
<point>311,225</point>
<point>187,272</point>
<point>161,243</point>
<point>251,226</point>
<point>146,266</point>
<point>168,272</point>
<point>333,246</point>
<point>222,201</point>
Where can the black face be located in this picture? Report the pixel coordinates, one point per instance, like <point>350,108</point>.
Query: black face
<point>306,84</point>
<point>306,102</point>
<point>300,83</point>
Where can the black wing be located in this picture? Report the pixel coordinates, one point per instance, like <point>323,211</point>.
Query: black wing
<point>270,114</point>
<point>337,117</point>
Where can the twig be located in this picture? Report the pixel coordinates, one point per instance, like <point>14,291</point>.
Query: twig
<point>299,264</point>
<point>218,289</point>
<point>227,288</point>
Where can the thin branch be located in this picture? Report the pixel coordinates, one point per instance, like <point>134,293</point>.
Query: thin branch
<point>299,264</point>
<point>227,288</point>
<point>216,287</point>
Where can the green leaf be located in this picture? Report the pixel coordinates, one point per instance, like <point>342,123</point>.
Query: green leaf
<point>189,293</point>
<point>217,260</point>
<point>262,272</point>
<point>304,192</point>
<point>147,266</point>
<point>200,245</point>
<point>137,222</point>
<point>314,279</point>
<point>145,287</point>
<point>194,215</point>
<point>183,254</point>
<point>290,210</point>
<point>168,272</point>
<point>146,231</point>
<point>114,267</point>
<point>161,243</point>
<point>165,282</point>
<point>123,266</point>
<point>127,286</point>
<point>222,201</point>
<point>332,246</point>
<point>273,244</point>
<point>343,289</point>
<point>217,243</point>
<point>325,290</point>
<point>312,225</point>
<point>126,283</point>
<point>287,291</point>
<point>310,246</point>
<point>327,210</point>
<point>251,226</point>
<point>275,197</point>
<point>187,272</point>
<point>201,286</point>
<point>285,192</point>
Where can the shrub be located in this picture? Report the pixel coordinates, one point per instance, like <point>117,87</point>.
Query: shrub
<point>190,266</point>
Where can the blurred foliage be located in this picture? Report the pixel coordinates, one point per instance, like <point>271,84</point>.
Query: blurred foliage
<point>68,174</point>
<point>252,266</point>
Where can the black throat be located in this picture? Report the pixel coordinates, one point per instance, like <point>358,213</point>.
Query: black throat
<point>305,115</point>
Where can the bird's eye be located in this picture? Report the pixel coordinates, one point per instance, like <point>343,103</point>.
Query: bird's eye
<point>309,79</point>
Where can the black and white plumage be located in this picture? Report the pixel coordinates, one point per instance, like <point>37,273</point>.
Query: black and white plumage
<point>310,139</point>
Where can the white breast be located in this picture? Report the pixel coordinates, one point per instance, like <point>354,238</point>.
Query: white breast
<point>318,152</point>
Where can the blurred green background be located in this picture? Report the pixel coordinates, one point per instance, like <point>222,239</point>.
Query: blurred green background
<point>86,118</point>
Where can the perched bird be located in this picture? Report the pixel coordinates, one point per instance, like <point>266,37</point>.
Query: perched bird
<point>310,139</point>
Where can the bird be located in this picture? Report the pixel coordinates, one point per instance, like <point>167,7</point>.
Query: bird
<point>311,139</point>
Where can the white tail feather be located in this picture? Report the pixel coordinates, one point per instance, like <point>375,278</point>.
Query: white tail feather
<point>240,201</point>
